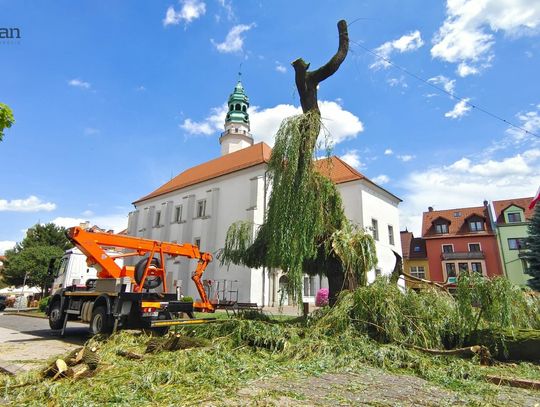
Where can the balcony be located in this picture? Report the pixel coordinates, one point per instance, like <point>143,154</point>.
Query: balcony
<point>463,256</point>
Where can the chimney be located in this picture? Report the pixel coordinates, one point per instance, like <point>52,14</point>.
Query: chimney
<point>430,209</point>
<point>485,203</point>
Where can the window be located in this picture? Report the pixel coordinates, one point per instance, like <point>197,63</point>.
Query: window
<point>157,219</point>
<point>375,228</point>
<point>391,234</point>
<point>237,107</point>
<point>450,271</point>
<point>418,272</point>
<point>476,225</point>
<point>463,268</point>
<point>178,214</point>
<point>416,249</point>
<point>476,267</point>
<point>447,248</point>
<point>516,244</point>
<point>514,217</point>
<point>201,208</point>
<point>441,228</point>
<point>197,242</point>
<point>474,247</point>
<point>457,214</point>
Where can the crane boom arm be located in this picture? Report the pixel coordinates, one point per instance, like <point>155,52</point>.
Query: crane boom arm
<point>93,245</point>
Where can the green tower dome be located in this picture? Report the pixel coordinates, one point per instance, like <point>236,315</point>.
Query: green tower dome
<point>238,105</point>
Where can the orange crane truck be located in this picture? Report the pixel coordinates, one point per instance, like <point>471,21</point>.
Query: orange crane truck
<point>111,296</point>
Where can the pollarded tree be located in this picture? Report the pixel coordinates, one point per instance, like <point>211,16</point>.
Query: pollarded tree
<point>305,230</point>
<point>532,254</point>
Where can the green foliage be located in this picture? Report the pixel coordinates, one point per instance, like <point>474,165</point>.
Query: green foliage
<point>356,250</point>
<point>43,303</point>
<point>344,338</point>
<point>532,254</point>
<point>6,119</point>
<point>186,299</point>
<point>32,261</point>
<point>305,226</point>
<point>32,255</point>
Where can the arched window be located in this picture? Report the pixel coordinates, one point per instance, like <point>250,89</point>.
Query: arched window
<point>231,108</point>
<point>238,107</point>
<point>243,108</point>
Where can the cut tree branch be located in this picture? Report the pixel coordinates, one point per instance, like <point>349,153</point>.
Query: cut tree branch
<point>307,81</point>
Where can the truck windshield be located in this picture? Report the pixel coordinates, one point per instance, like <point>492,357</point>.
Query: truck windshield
<point>63,265</point>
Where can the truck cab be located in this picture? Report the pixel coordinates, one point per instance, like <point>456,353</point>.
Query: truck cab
<point>73,270</point>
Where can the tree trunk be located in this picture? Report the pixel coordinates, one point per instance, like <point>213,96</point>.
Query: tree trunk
<point>307,83</point>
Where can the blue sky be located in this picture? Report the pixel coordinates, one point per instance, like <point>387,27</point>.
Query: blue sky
<point>113,98</point>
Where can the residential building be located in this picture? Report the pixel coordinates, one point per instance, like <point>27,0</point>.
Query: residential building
<point>459,240</point>
<point>198,206</point>
<point>415,260</point>
<point>511,217</point>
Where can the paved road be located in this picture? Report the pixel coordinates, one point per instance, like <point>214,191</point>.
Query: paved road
<point>27,342</point>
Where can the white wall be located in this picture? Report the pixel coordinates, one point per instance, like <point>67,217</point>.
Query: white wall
<point>363,202</point>
<point>240,196</point>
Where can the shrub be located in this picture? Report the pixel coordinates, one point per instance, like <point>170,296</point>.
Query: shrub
<point>321,299</point>
<point>186,299</point>
<point>43,303</point>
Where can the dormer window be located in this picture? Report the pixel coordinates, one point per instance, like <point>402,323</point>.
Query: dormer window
<point>441,228</point>
<point>514,217</point>
<point>476,225</point>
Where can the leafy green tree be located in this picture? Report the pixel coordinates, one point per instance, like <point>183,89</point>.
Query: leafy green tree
<point>32,262</point>
<point>31,256</point>
<point>6,119</point>
<point>532,254</point>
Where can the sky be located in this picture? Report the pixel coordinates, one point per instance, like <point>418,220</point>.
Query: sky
<point>113,98</point>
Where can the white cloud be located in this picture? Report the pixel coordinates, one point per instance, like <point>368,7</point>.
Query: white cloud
<point>460,109</point>
<point>88,213</point>
<point>79,84</point>
<point>234,41</point>
<point>30,204</point>
<point>339,123</point>
<point>397,82</point>
<point>227,5</point>
<point>381,179</point>
<point>280,67</point>
<point>464,183</point>
<point>447,83</point>
<point>352,157</point>
<point>6,245</point>
<point>466,37</point>
<point>406,43</point>
<point>529,121</point>
<point>190,10</point>
<point>116,222</point>
<point>405,157</point>
<point>388,151</point>
<point>210,125</point>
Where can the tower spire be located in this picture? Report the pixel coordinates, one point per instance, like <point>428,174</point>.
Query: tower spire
<point>237,127</point>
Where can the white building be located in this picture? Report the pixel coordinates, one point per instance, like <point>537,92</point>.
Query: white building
<point>200,204</point>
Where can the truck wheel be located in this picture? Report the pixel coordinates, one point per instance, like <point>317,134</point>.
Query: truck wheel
<point>56,320</point>
<point>100,323</point>
<point>162,330</point>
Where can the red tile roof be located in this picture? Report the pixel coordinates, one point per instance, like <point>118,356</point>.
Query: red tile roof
<point>408,245</point>
<point>458,223</point>
<point>334,168</point>
<point>523,203</point>
<point>239,160</point>
<point>337,170</point>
